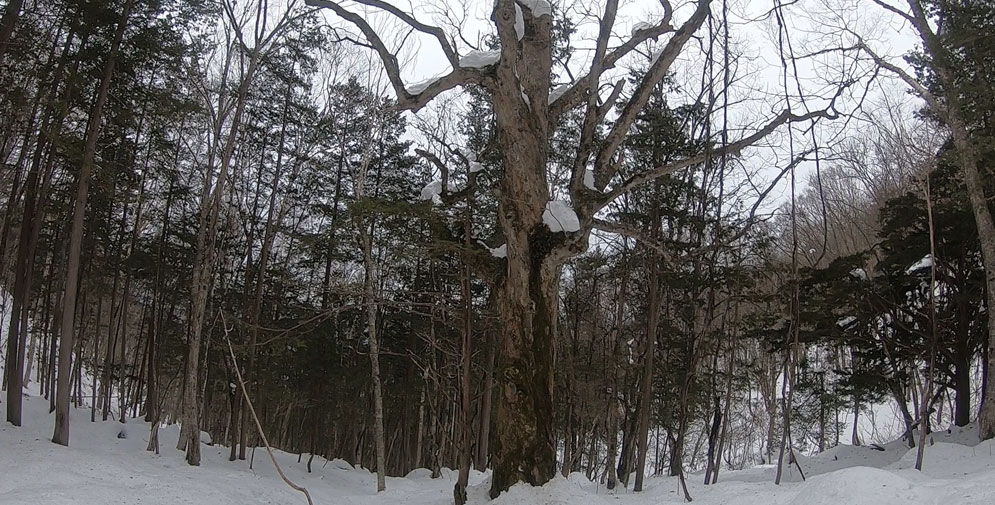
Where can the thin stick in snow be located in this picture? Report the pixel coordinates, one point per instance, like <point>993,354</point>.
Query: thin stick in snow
<point>259,428</point>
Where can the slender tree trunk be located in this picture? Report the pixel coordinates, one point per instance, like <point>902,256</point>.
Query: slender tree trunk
<point>61,434</point>
<point>928,380</point>
<point>646,388</point>
<point>203,270</point>
<point>459,490</point>
<point>371,319</point>
<point>728,402</point>
<point>486,405</point>
<point>616,412</point>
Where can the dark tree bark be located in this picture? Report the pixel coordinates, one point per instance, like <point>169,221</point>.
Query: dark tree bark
<point>649,351</point>
<point>7,24</point>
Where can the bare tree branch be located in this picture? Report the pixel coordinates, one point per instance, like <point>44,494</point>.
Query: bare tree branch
<point>406,100</point>
<point>894,10</point>
<point>642,238</point>
<point>410,20</point>
<point>432,158</point>
<point>591,117</point>
<point>657,71</point>
<point>729,149</point>
<point>914,83</point>
<point>581,88</point>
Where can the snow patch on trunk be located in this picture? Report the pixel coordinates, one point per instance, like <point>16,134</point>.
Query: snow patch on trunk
<point>559,216</point>
<point>431,191</point>
<point>558,92</point>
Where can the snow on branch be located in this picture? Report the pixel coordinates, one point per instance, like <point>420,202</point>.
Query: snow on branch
<point>559,216</point>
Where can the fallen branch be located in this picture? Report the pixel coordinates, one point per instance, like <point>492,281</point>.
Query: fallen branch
<point>259,427</point>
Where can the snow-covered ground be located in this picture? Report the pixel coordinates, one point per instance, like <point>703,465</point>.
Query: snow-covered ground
<point>100,468</point>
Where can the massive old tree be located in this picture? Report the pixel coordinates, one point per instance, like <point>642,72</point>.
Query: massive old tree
<point>542,233</point>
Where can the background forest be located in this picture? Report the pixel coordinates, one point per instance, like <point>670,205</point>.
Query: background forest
<point>194,186</point>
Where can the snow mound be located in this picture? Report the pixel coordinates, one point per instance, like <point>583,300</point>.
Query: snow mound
<point>857,485</point>
<point>419,473</point>
<point>559,216</point>
<point>950,459</point>
<point>113,429</point>
<point>558,491</point>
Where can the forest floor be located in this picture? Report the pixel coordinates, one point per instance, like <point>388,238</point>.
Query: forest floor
<point>100,468</point>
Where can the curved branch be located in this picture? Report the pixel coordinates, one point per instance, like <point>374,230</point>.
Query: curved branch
<point>443,168</point>
<point>406,99</point>
<point>410,20</point>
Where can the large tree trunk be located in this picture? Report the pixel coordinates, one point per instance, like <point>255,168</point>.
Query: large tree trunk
<point>524,448</point>
<point>524,442</point>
